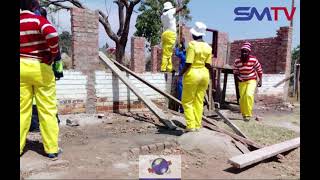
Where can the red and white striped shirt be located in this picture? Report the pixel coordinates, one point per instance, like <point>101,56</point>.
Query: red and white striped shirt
<point>248,70</point>
<point>38,38</point>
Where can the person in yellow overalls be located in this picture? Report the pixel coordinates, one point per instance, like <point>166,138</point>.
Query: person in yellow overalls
<point>38,50</point>
<point>169,35</point>
<point>196,75</point>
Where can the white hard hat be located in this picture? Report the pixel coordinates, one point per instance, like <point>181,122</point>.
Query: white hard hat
<point>199,29</point>
<point>167,5</point>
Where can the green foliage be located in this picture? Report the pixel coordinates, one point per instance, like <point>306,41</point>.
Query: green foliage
<point>148,23</point>
<point>65,42</point>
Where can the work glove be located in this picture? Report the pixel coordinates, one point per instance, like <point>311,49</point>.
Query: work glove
<point>57,68</point>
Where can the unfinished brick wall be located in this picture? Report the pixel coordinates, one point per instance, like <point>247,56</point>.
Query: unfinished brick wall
<point>85,58</point>
<point>222,50</point>
<point>271,52</point>
<point>138,54</point>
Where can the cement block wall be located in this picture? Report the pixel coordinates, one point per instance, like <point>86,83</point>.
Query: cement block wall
<point>268,80</point>
<point>72,92</point>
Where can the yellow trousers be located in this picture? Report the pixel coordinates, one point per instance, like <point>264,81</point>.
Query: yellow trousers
<point>246,90</point>
<point>168,40</point>
<point>37,79</point>
<point>195,83</point>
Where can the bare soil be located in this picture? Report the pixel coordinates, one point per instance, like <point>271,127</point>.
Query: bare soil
<point>100,148</point>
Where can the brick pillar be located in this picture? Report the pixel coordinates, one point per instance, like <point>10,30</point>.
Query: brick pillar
<point>85,58</point>
<point>154,59</point>
<point>284,53</point>
<point>137,54</point>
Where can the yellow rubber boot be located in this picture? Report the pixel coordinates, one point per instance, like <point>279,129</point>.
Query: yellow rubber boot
<point>246,91</point>
<point>168,40</point>
<point>38,79</point>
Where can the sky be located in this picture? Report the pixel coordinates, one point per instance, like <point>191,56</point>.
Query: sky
<point>216,14</point>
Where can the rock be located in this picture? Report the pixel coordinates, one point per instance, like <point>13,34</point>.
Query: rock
<point>100,116</point>
<point>258,118</point>
<point>72,123</point>
<point>130,119</point>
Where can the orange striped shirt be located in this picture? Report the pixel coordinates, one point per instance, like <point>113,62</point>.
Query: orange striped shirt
<point>248,70</point>
<point>38,38</point>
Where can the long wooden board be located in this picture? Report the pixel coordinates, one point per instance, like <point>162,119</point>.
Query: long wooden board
<point>247,159</point>
<point>153,108</point>
<point>146,82</point>
<point>230,124</point>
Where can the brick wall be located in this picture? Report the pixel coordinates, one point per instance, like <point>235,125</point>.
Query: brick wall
<point>271,52</point>
<point>84,27</point>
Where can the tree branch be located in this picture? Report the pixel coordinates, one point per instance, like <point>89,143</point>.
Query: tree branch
<point>125,2</point>
<point>135,2</point>
<point>121,16</point>
<point>103,19</point>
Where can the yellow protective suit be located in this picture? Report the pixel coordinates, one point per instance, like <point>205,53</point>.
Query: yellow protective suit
<point>168,40</point>
<point>246,90</point>
<point>195,83</point>
<point>37,79</point>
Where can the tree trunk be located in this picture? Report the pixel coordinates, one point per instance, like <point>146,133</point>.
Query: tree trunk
<point>120,52</point>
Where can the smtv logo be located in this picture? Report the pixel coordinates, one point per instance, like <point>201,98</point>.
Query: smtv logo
<point>247,13</point>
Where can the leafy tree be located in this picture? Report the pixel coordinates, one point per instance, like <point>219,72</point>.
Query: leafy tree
<point>65,42</point>
<point>148,23</point>
<point>125,10</point>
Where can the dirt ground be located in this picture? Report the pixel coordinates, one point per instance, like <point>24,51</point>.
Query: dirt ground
<point>100,148</point>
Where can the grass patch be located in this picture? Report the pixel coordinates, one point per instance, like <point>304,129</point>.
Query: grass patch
<point>262,134</point>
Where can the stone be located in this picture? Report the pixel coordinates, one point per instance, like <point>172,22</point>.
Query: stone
<point>72,123</point>
<point>130,119</point>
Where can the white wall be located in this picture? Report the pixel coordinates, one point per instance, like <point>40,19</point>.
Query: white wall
<point>268,80</point>
<point>73,86</point>
<point>105,86</point>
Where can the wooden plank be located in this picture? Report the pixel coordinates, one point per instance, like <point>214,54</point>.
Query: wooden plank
<point>247,159</point>
<point>146,82</point>
<point>236,83</point>
<point>230,124</point>
<point>240,146</point>
<point>224,89</point>
<point>284,80</point>
<point>153,108</point>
